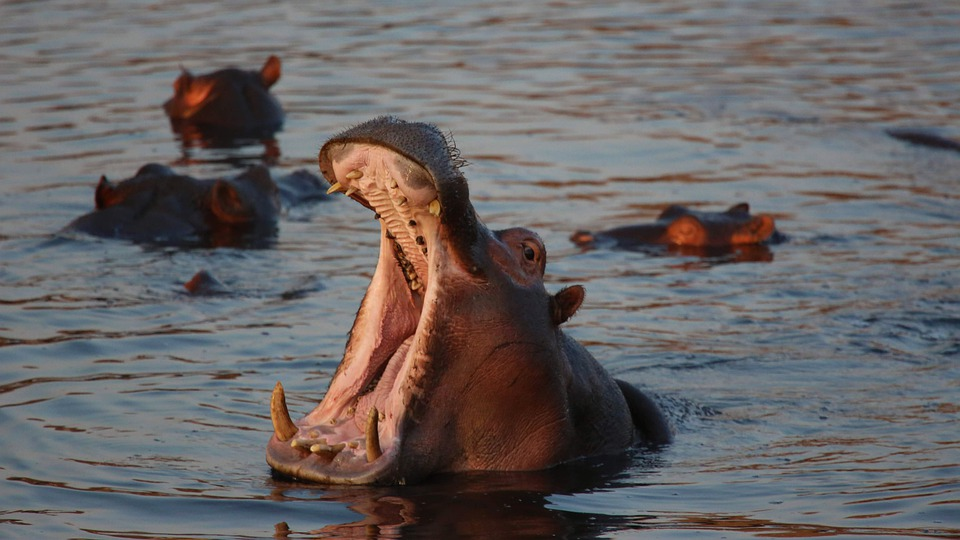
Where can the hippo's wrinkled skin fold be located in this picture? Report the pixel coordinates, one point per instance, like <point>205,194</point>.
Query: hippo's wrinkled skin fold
<point>229,103</point>
<point>159,206</point>
<point>456,360</point>
<point>679,226</point>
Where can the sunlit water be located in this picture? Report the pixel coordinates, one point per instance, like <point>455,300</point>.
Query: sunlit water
<point>816,393</point>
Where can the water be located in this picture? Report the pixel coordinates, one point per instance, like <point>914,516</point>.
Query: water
<point>813,394</point>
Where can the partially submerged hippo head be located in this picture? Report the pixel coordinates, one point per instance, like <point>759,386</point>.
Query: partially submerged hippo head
<point>456,360</point>
<point>162,207</point>
<point>227,103</point>
<point>680,226</point>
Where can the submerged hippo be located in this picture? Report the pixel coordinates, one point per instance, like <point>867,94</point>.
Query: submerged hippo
<point>456,360</point>
<point>922,137</point>
<point>229,103</point>
<point>160,206</point>
<point>679,226</point>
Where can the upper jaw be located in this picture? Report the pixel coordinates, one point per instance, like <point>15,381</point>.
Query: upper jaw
<point>355,434</point>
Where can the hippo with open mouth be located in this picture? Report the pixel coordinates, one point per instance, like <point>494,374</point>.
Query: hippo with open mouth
<point>456,360</point>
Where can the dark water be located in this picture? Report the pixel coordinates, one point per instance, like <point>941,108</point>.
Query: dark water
<point>815,392</point>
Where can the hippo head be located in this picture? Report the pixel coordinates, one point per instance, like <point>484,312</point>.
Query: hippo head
<point>227,102</point>
<point>733,227</point>
<point>455,360</point>
<point>159,206</point>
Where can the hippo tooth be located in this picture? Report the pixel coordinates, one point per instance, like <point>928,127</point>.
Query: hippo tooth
<point>334,188</point>
<point>402,201</point>
<point>351,191</point>
<point>435,207</point>
<point>322,448</point>
<point>283,426</point>
<point>373,436</point>
<point>354,174</point>
<point>393,184</point>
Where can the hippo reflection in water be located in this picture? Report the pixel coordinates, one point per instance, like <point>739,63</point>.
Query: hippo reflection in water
<point>680,227</point>
<point>456,360</point>
<point>159,206</point>
<point>229,103</point>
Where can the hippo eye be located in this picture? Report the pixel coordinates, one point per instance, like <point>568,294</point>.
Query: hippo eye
<point>529,253</point>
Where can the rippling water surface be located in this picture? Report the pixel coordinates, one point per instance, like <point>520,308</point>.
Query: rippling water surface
<point>814,389</point>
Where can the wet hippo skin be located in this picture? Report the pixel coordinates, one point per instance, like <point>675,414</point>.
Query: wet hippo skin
<point>456,360</point>
<point>227,103</point>
<point>159,206</point>
<point>680,226</point>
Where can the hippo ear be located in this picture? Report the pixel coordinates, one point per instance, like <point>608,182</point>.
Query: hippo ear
<point>183,81</point>
<point>566,302</point>
<point>686,230</point>
<point>742,208</point>
<point>762,227</point>
<point>106,195</point>
<point>270,72</point>
<point>227,204</point>
<point>582,238</point>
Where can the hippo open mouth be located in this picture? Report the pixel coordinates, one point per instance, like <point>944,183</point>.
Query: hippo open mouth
<point>456,360</point>
<point>353,436</point>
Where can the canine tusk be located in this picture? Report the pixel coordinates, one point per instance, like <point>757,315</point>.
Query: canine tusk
<point>373,436</point>
<point>283,426</point>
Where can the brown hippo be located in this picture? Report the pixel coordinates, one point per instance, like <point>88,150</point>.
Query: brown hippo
<point>456,360</point>
<point>160,206</point>
<point>229,103</point>
<point>679,226</point>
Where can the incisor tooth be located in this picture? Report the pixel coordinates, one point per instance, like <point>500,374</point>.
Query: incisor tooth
<point>435,207</point>
<point>283,426</point>
<point>334,188</point>
<point>327,448</point>
<point>351,191</point>
<point>354,174</point>
<point>373,436</point>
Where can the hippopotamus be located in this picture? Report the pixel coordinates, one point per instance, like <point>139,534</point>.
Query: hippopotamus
<point>923,137</point>
<point>228,103</point>
<point>456,360</point>
<point>680,226</point>
<point>160,206</point>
